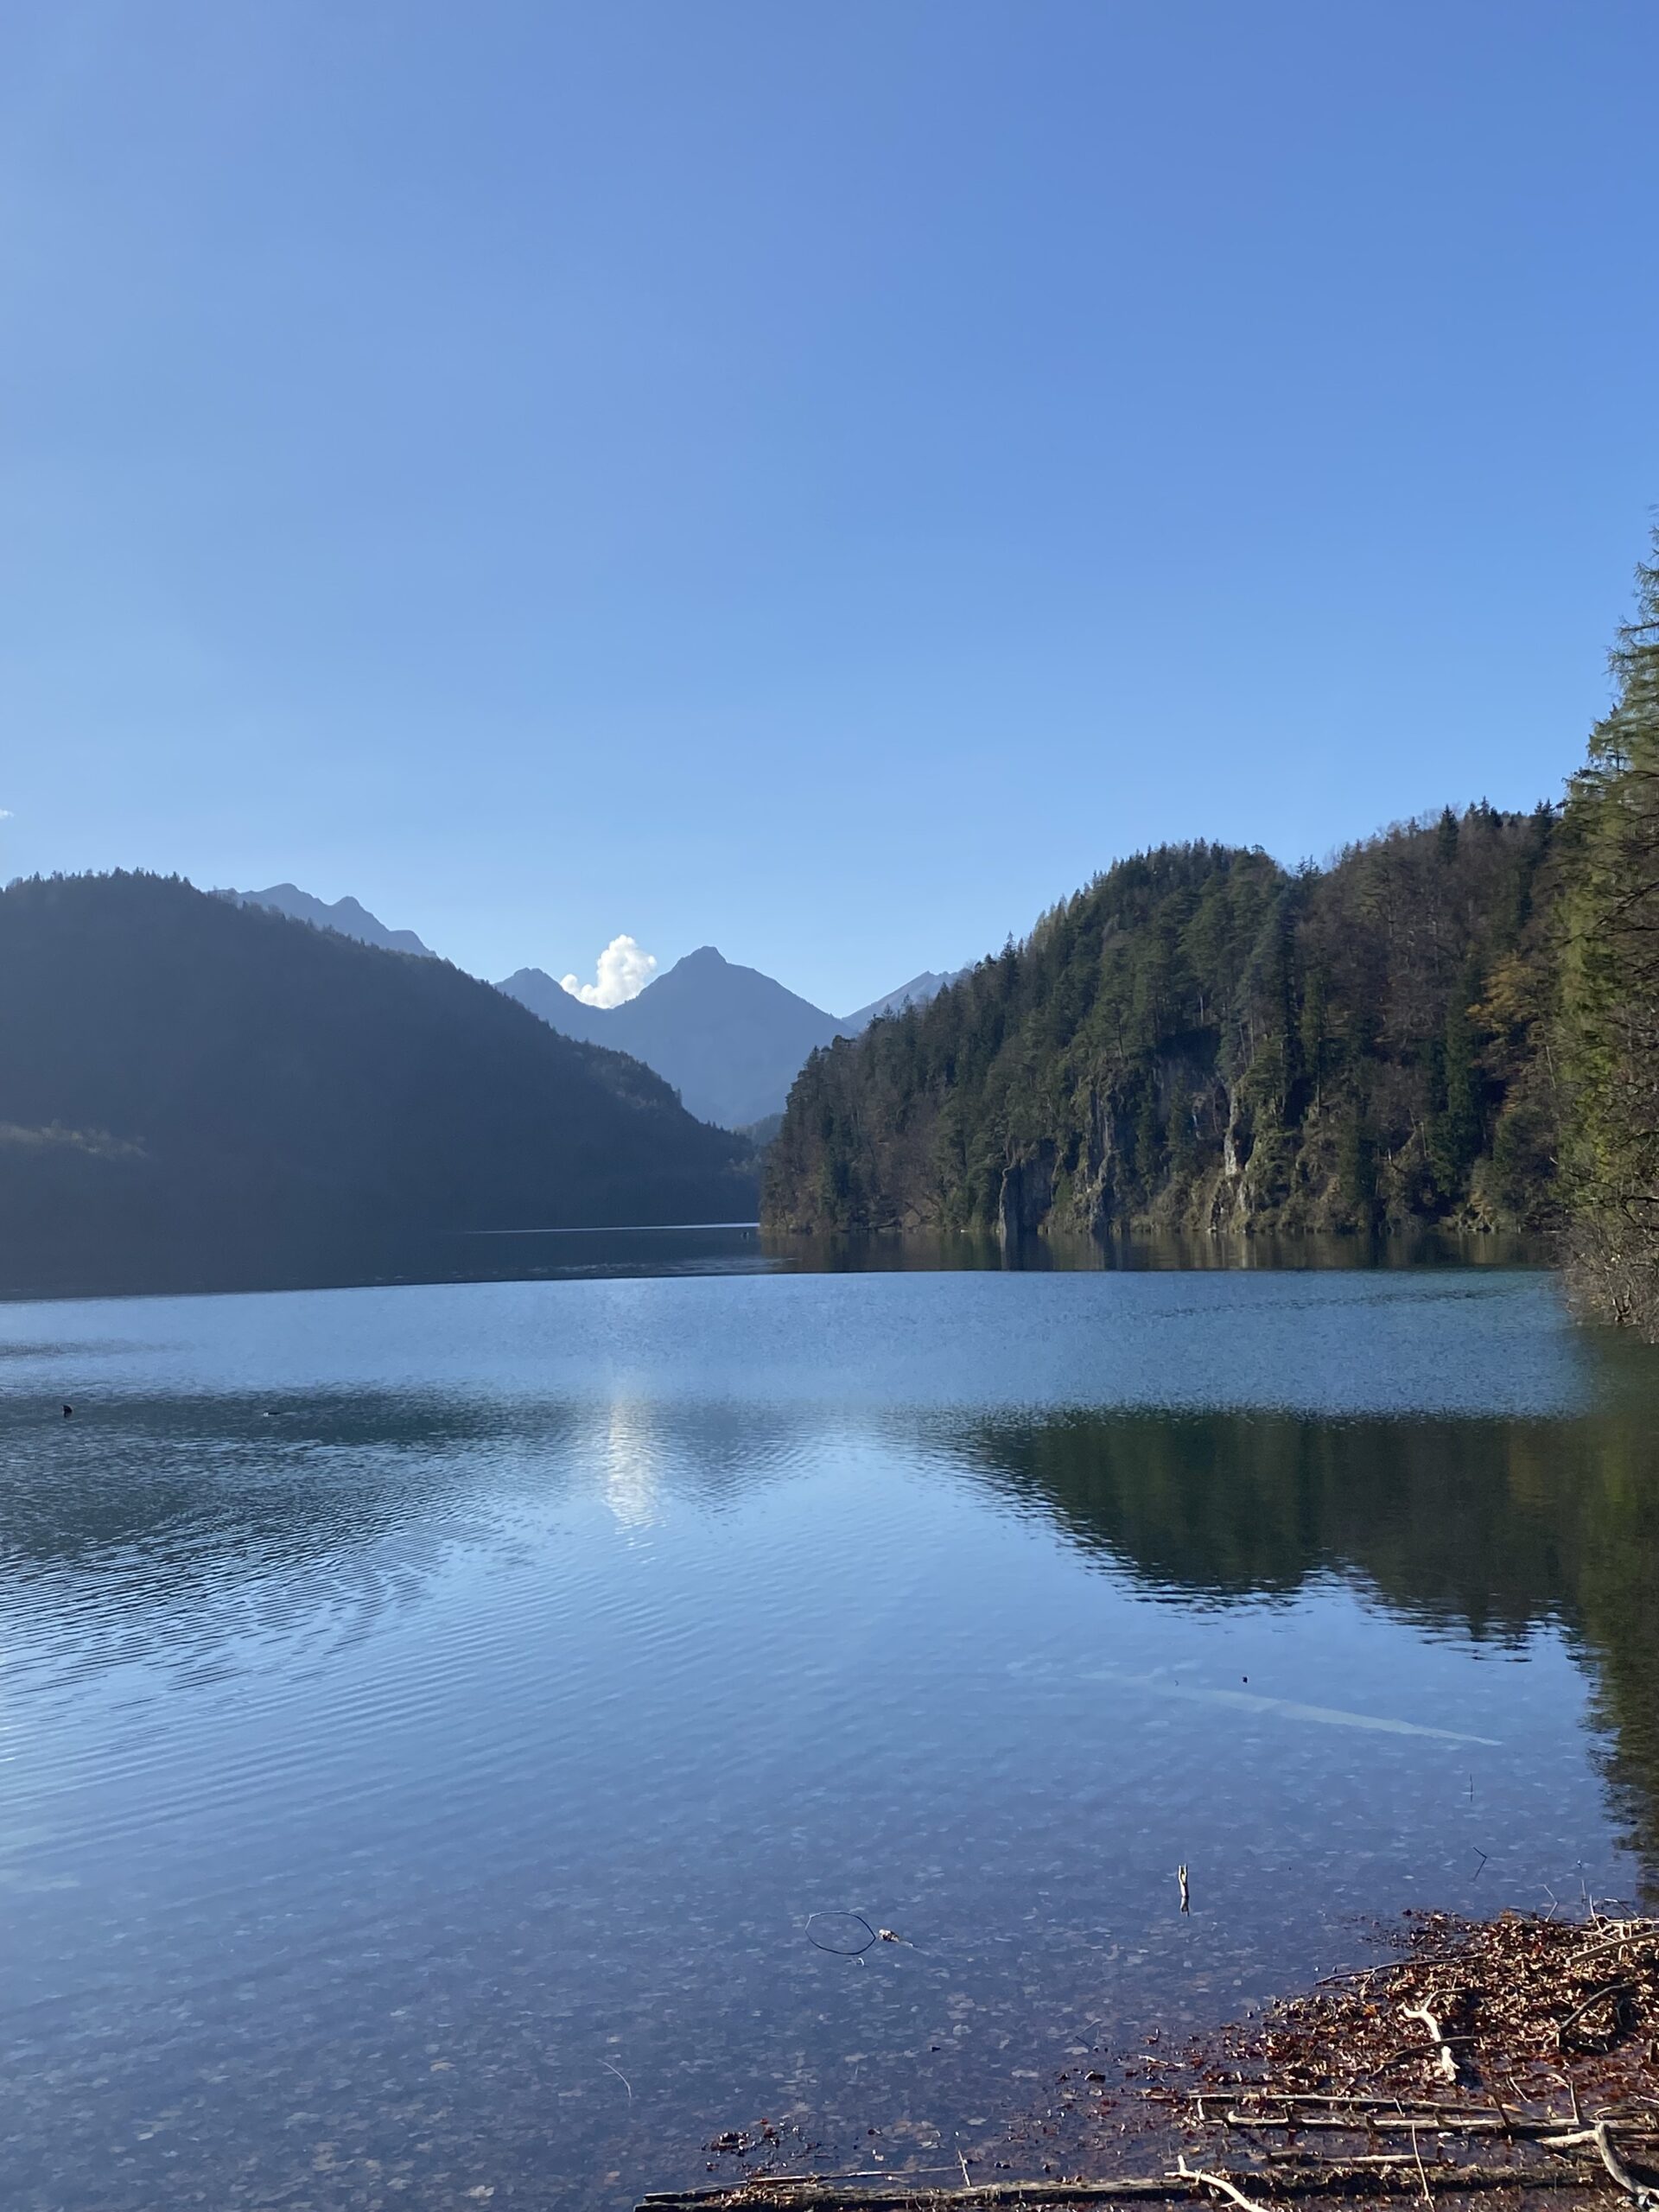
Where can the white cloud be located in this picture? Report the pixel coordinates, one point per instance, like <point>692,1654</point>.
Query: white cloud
<point>625,969</point>
<point>5,814</point>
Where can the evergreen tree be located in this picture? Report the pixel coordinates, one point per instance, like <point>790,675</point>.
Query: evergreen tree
<point>1455,1135</point>
<point>1609,986</point>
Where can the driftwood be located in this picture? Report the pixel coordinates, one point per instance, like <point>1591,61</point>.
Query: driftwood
<point>1550,2134</point>
<point>1222,2183</point>
<point>831,2193</point>
<point>1602,2136</point>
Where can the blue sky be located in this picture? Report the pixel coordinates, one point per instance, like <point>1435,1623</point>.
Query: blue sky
<point>820,480</point>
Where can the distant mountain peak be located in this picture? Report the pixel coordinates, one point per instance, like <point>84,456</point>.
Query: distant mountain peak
<point>917,992</point>
<point>731,1040</point>
<point>345,916</point>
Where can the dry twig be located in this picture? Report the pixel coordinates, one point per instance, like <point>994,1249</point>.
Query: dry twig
<point>1227,2188</point>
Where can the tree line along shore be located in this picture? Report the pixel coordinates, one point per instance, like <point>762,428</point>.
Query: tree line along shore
<point>1455,1022</point>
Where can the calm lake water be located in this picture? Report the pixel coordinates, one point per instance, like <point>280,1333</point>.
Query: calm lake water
<point>431,1717</point>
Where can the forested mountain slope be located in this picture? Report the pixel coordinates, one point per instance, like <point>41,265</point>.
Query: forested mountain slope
<point>185,1082</point>
<point>1202,1041</point>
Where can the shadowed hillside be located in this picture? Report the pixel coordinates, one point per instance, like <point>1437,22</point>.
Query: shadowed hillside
<point>195,1090</point>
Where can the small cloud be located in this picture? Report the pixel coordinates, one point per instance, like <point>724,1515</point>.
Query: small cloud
<point>625,969</point>
<point>5,814</point>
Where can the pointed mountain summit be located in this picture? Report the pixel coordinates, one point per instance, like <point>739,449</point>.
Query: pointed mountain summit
<point>729,1040</point>
<point>559,1009</point>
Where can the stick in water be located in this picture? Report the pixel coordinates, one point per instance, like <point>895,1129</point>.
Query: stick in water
<point>1621,2173</point>
<point>1218,2181</point>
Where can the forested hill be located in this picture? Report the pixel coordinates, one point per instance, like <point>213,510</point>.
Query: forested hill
<point>1201,1040</point>
<point>192,1090</point>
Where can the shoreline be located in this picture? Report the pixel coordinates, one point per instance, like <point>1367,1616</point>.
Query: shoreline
<point>1512,2058</point>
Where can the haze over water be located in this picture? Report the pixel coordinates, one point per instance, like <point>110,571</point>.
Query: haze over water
<point>433,1715</point>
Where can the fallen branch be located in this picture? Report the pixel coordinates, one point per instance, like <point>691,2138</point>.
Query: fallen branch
<point>1448,2064</point>
<point>1376,2176</point>
<point>1629,1931</point>
<point>1382,2120</point>
<point>1228,2189</point>
<point>1422,2171</point>
<point>1378,2099</point>
<point>1603,2136</point>
<point>1607,1989</point>
<point>837,2193</point>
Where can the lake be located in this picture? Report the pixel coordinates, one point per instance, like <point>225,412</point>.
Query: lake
<point>456,1736</point>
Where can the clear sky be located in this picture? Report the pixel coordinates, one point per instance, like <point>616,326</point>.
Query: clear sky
<point>819,480</point>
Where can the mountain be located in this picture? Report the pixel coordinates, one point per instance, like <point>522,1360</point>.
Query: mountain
<point>196,1091</point>
<point>729,1040</point>
<point>1201,1041</point>
<point>916,992</point>
<point>345,916</point>
<point>551,1002</point>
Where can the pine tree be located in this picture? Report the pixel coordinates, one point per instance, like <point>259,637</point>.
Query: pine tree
<point>1456,1132</point>
<point>1610,987</point>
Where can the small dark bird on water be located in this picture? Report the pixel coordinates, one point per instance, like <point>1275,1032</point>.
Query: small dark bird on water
<point>67,1411</point>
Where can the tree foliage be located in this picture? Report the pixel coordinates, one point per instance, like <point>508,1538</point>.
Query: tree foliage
<point>1201,1040</point>
<point>1610,987</point>
<point>1455,1021</point>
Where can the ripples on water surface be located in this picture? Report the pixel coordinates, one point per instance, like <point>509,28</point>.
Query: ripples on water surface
<point>430,1715</point>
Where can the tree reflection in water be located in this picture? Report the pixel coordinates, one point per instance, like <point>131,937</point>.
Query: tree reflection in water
<point>1484,1529</point>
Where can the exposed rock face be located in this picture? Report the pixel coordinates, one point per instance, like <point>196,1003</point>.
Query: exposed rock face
<point>1027,1196</point>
